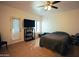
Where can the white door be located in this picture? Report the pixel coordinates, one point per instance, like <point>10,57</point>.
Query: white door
<point>15,28</point>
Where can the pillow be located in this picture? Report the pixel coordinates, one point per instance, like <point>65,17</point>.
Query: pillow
<point>61,33</point>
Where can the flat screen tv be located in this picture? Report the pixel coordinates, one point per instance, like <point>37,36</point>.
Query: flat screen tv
<point>29,23</point>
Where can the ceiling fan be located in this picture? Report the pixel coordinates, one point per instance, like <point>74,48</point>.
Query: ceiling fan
<point>49,4</point>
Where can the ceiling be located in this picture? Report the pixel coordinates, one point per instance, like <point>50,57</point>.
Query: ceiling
<point>30,5</point>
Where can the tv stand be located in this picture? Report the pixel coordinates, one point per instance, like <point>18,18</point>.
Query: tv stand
<point>29,34</point>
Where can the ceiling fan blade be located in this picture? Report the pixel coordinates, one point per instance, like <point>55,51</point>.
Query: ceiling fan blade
<point>55,2</point>
<point>54,7</point>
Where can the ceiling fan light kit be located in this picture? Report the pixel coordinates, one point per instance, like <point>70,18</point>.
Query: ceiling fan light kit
<point>47,7</point>
<point>50,4</point>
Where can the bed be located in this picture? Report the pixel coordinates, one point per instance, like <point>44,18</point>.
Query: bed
<point>58,41</point>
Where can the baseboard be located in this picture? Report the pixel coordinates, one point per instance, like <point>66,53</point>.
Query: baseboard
<point>14,41</point>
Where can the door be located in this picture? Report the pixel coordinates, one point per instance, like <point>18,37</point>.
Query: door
<point>15,28</point>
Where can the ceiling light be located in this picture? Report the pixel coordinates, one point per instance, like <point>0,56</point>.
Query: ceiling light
<point>49,7</point>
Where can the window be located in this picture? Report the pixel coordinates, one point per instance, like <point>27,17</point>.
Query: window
<point>15,28</point>
<point>37,26</point>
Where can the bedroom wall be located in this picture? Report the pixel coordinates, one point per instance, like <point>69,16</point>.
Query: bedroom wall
<point>67,21</point>
<point>6,13</point>
<point>0,22</point>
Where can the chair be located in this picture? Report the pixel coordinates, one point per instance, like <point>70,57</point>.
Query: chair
<point>2,43</point>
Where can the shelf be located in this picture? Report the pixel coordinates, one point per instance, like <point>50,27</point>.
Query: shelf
<point>28,34</point>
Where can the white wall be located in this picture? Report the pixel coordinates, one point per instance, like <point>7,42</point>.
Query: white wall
<point>67,21</point>
<point>0,19</point>
<point>6,13</point>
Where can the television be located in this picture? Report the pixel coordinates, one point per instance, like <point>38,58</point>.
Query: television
<point>29,23</point>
